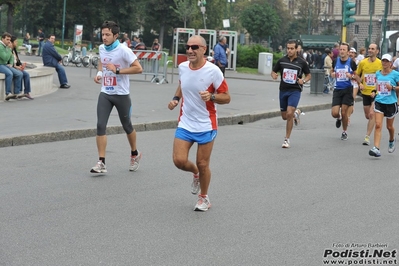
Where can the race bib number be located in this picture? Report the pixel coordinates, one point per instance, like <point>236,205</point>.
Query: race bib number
<point>370,79</point>
<point>382,88</point>
<point>340,75</point>
<point>109,81</point>
<point>290,76</point>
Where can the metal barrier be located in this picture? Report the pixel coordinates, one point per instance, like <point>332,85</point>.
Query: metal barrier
<point>154,63</point>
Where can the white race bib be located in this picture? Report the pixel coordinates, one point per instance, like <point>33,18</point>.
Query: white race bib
<point>370,79</point>
<point>290,76</point>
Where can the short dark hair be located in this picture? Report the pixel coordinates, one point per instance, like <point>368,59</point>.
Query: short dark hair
<point>6,34</point>
<point>13,38</point>
<point>346,44</point>
<point>112,26</point>
<point>292,42</point>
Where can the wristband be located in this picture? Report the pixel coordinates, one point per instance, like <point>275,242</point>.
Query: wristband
<point>99,73</point>
<point>176,98</point>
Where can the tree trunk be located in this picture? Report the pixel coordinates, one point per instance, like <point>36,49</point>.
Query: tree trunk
<point>10,19</point>
<point>161,33</point>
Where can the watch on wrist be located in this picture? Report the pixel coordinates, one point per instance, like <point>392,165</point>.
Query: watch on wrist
<point>117,70</point>
<point>213,97</point>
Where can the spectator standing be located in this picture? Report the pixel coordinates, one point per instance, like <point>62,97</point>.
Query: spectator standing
<point>5,68</point>
<point>40,39</point>
<point>156,46</point>
<point>134,42</point>
<point>16,63</point>
<point>202,87</point>
<point>52,58</point>
<point>116,63</point>
<point>141,45</point>
<point>220,54</point>
<point>361,55</point>
<point>127,40</point>
<point>26,43</point>
<point>327,68</point>
<point>335,51</point>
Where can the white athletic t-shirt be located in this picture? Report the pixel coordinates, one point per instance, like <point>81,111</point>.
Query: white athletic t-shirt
<point>121,57</point>
<point>195,114</point>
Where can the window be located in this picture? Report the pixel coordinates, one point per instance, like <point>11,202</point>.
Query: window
<point>291,6</point>
<point>372,8</point>
<point>330,10</point>
<point>390,7</point>
<point>356,29</point>
<point>358,7</point>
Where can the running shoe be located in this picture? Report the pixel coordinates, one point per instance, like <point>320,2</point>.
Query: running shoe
<point>286,144</point>
<point>195,186</point>
<point>99,168</point>
<point>375,152</point>
<point>203,204</point>
<point>344,136</point>
<point>135,162</point>
<point>297,115</point>
<point>338,123</point>
<point>391,146</point>
<point>366,140</point>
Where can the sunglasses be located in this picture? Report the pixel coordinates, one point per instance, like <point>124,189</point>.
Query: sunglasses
<point>193,47</point>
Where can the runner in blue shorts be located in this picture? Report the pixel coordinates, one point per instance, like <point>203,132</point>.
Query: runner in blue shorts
<point>201,87</point>
<point>291,69</point>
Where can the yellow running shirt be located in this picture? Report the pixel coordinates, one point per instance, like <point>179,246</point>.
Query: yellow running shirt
<point>366,70</point>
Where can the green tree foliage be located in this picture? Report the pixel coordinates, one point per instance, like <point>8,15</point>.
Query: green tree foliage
<point>260,20</point>
<point>185,10</point>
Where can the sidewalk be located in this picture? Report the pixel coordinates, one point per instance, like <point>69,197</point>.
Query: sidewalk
<point>70,114</point>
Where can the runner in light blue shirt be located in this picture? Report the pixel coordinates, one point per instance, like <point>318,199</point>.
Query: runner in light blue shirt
<point>385,104</point>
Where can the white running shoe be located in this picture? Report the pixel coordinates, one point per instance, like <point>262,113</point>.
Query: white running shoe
<point>297,118</point>
<point>286,144</point>
<point>99,168</point>
<point>195,185</point>
<point>366,140</point>
<point>135,162</point>
<point>391,146</point>
<point>203,204</point>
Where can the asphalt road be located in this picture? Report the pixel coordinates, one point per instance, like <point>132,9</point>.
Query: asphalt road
<point>271,206</point>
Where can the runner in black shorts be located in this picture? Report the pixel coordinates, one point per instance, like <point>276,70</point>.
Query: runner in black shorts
<point>366,70</point>
<point>343,70</point>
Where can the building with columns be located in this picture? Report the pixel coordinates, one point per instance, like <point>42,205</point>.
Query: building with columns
<point>326,16</point>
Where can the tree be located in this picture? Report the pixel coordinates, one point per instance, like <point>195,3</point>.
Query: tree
<point>309,12</point>
<point>260,20</point>
<point>11,4</point>
<point>185,9</point>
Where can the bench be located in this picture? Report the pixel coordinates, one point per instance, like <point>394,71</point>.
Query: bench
<point>41,81</point>
<point>22,50</point>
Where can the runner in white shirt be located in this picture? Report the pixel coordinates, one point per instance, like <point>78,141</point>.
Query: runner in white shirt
<point>116,62</point>
<point>201,87</point>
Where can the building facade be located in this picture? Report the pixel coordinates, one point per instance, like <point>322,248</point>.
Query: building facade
<point>326,16</point>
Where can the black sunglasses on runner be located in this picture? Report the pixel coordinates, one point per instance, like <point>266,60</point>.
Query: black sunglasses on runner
<point>193,47</point>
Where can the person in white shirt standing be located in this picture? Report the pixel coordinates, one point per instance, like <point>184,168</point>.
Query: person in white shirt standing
<point>201,87</point>
<point>116,62</point>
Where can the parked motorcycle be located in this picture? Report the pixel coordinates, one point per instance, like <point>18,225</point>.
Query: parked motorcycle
<point>73,57</point>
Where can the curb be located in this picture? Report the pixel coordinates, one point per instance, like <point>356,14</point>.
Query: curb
<point>160,125</point>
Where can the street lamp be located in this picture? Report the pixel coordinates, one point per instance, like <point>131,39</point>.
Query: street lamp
<point>63,25</point>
